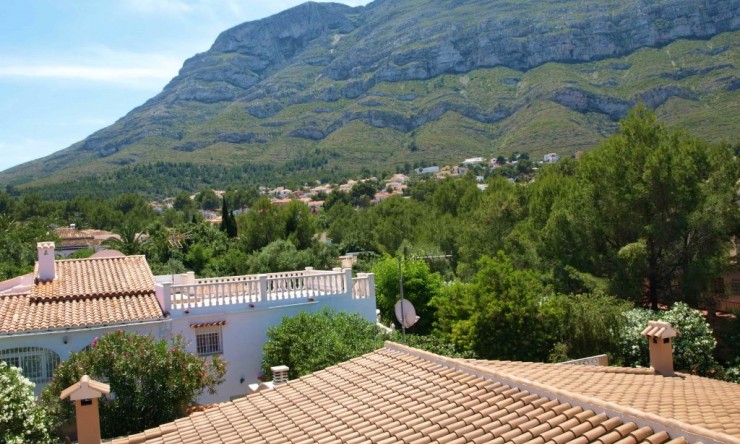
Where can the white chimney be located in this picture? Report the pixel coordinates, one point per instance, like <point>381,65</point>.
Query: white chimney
<point>660,340</point>
<point>46,261</point>
<point>279,374</point>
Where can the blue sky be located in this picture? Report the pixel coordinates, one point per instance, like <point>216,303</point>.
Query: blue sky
<point>71,67</point>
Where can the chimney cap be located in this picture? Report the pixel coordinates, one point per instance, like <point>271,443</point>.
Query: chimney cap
<point>659,329</point>
<point>86,388</point>
<point>45,245</point>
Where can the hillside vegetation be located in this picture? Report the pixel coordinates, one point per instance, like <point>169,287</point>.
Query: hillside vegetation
<point>324,90</point>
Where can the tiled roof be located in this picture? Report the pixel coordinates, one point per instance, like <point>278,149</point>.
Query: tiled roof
<point>80,278</point>
<point>693,400</point>
<point>85,293</point>
<point>399,394</point>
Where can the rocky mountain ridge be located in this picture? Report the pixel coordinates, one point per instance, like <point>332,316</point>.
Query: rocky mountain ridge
<point>268,90</point>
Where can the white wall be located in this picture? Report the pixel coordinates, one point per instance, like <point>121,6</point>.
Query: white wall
<point>245,333</point>
<point>64,343</point>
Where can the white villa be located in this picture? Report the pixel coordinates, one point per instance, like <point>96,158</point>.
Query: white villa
<point>64,305</point>
<point>551,158</point>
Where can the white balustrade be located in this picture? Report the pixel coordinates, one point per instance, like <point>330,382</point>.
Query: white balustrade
<point>254,289</point>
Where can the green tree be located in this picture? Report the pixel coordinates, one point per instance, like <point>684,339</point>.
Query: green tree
<point>309,342</point>
<point>362,193</point>
<point>130,241</point>
<point>153,381</point>
<point>420,285</point>
<point>183,202</point>
<point>300,226</point>
<point>501,314</point>
<point>260,225</point>
<point>588,325</point>
<point>665,197</point>
<point>21,419</point>
<point>228,221</point>
<point>20,238</point>
<point>207,199</point>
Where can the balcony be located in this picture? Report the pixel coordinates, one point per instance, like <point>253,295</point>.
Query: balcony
<point>185,294</point>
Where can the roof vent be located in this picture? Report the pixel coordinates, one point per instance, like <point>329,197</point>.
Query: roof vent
<point>279,374</point>
<point>46,270</point>
<point>660,339</point>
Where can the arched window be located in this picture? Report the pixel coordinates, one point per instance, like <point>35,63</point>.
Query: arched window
<point>37,363</point>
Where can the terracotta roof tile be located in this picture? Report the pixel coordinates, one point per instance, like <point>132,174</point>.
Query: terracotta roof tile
<point>81,278</point>
<point>641,389</point>
<point>398,394</point>
<point>85,293</point>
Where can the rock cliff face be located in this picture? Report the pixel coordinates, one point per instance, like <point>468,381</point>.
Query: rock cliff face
<point>366,64</point>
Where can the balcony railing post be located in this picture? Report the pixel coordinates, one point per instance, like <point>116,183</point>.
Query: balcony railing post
<point>371,285</point>
<point>163,292</point>
<point>263,287</point>
<point>348,281</point>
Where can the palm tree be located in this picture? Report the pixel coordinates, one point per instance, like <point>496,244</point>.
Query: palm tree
<point>130,241</point>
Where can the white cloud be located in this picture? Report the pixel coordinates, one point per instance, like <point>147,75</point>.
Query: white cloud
<point>96,64</point>
<point>84,72</point>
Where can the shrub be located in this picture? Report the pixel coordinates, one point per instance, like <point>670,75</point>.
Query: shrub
<point>152,381</point>
<point>692,349</point>
<point>21,420</point>
<point>309,342</point>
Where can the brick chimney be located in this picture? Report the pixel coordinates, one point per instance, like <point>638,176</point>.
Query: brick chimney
<point>85,394</point>
<point>660,340</point>
<point>279,374</point>
<point>46,261</point>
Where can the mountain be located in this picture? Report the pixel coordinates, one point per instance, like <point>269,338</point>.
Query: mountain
<point>325,88</point>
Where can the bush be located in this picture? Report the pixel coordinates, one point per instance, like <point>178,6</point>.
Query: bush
<point>433,344</point>
<point>693,348</point>
<point>588,324</point>
<point>21,420</point>
<point>309,342</point>
<point>152,381</point>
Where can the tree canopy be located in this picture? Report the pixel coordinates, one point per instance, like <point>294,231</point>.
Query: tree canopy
<point>152,381</point>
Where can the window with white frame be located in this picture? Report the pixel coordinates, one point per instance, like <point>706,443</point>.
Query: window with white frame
<point>36,364</point>
<point>209,340</point>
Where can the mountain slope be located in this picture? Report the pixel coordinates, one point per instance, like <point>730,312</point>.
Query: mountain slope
<point>328,88</point>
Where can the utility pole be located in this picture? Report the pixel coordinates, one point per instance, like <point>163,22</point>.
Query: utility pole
<point>400,286</point>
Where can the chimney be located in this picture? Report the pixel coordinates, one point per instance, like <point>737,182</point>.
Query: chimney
<point>279,374</point>
<point>46,261</point>
<point>85,394</point>
<point>660,340</point>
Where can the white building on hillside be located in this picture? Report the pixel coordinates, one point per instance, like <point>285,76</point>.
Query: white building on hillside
<point>65,304</point>
<point>552,158</point>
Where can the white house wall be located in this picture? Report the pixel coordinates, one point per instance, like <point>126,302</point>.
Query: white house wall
<point>245,332</point>
<point>64,342</point>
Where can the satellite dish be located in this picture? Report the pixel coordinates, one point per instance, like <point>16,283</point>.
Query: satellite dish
<point>405,313</point>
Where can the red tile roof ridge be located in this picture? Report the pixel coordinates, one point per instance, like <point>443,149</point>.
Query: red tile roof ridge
<point>692,433</point>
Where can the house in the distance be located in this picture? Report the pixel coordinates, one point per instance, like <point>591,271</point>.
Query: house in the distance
<point>65,304</point>
<point>73,239</point>
<point>551,158</point>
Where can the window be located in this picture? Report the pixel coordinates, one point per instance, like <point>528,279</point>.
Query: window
<point>209,341</point>
<point>735,284</point>
<point>37,364</point>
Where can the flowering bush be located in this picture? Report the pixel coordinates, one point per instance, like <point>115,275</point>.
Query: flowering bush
<point>692,349</point>
<point>152,381</point>
<point>21,419</point>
